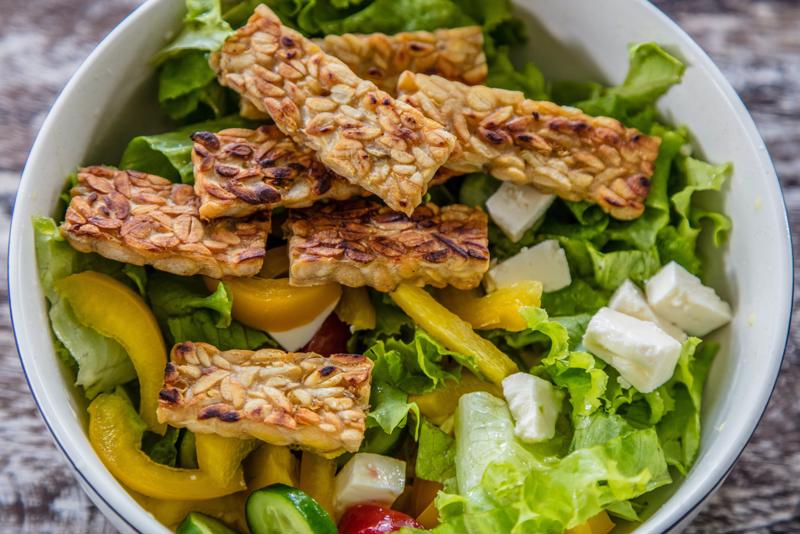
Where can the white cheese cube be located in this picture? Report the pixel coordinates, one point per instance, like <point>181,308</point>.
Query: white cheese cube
<point>545,262</point>
<point>298,337</point>
<point>369,478</point>
<point>534,403</point>
<point>681,298</point>
<point>643,354</point>
<point>629,299</point>
<point>516,208</point>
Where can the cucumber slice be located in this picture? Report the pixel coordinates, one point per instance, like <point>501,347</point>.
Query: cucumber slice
<point>197,523</point>
<point>278,509</point>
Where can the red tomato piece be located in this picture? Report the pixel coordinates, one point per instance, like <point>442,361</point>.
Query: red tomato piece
<point>331,338</point>
<point>373,519</point>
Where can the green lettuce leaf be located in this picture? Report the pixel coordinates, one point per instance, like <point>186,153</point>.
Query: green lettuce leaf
<point>170,154</point>
<point>613,268</point>
<point>187,312</point>
<point>390,409</point>
<point>435,455</point>
<point>185,78</point>
<point>577,298</point>
<point>162,449</point>
<point>100,362</point>
<point>506,486</point>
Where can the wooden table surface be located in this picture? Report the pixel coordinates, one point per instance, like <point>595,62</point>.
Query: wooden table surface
<point>755,42</point>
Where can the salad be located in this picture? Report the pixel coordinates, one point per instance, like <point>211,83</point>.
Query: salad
<point>378,277</point>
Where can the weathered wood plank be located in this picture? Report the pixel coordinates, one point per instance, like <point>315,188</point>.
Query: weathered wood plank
<point>757,45</point>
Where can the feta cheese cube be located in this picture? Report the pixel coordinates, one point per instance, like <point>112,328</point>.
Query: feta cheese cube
<point>298,337</point>
<point>643,354</point>
<point>629,299</point>
<point>545,262</point>
<point>535,404</point>
<point>516,208</point>
<point>681,298</point>
<point>369,478</point>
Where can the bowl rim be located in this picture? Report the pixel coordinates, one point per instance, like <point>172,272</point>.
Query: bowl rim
<point>698,494</point>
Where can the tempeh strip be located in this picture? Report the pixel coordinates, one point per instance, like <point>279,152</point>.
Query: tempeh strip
<point>144,219</point>
<point>298,399</point>
<point>559,150</point>
<point>358,131</point>
<point>364,243</point>
<point>452,53</point>
<point>240,171</point>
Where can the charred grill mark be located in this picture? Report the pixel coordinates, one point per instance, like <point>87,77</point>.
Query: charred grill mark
<point>171,395</point>
<point>328,369</point>
<point>207,139</point>
<point>451,244</point>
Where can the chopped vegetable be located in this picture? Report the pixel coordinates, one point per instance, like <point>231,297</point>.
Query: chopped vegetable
<point>115,310</point>
<point>279,509</point>
<point>275,306</point>
<point>115,431</point>
<point>317,478</point>
<point>222,457</point>
<point>372,519</point>
<point>498,309</point>
<point>455,334</point>
<point>271,464</point>
<point>331,338</point>
<point>597,524</point>
<point>229,509</point>
<point>197,523</point>
<point>442,402</point>
<point>356,309</point>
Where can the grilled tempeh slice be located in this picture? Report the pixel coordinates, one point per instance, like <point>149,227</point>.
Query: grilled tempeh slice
<point>144,219</point>
<point>455,54</point>
<point>557,149</point>
<point>240,171</point>
<point>360,132</point>
<point>297,399</point>
<point>362,242</point>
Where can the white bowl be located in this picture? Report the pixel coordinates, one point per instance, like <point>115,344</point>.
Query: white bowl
<point>112,98</point>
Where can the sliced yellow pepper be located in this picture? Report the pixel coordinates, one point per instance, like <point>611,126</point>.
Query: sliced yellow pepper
<point>454,333</point>
<point>441,403</point>
<point>228,509</point>
<point>316,479</point>
<point>270,464</point>
<point>222,457</point>
<point>276,262</point>
<point>597,524</point>
<point>498,309</point>
<point>115,431</point>
<point>116,311</point>
<point>275,306</point>
<point>356,309</point>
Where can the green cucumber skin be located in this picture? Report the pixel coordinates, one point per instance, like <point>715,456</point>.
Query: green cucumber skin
<point>306,516</point>
<point>197,523</point>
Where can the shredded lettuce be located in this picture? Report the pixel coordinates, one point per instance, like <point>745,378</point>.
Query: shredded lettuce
<point>100,362</point>
<point>169,155</point>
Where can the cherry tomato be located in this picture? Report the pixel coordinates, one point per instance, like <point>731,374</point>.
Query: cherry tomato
<point>331,338</point>
<point>374,519</point>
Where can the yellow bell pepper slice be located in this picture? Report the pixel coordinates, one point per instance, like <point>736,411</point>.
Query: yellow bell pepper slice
<point>222,457</point>
<point>115,431</point>
<point>276,262</point>
<point>228,509</point>
<point>441,403</point>
<point>498,309</point>
<point>316,479</point>
<point>597,524</point>
<point>270,464</point>
<point>356,309</point>
<point>116,311</point>
<point>275,306</point>
<point>453,332</point>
